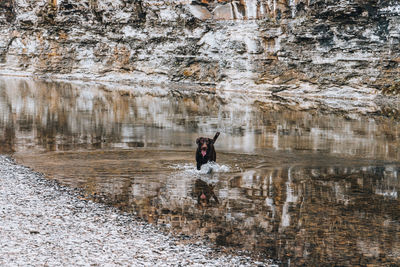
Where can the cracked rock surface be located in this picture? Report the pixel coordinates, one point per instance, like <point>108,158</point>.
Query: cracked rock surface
<point>44,224</point>
<point>346,50</point>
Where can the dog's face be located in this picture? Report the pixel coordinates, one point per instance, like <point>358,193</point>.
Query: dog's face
<point>204,192</point>
<point>203,200</point>
<point>203,145</point>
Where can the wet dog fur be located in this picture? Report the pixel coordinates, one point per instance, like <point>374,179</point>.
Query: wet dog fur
<point>204,192</point>
<point>205,150</point>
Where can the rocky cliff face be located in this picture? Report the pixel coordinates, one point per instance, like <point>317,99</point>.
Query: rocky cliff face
<point>284,49</point>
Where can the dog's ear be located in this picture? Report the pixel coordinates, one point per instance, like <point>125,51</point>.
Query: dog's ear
<point>211,140</point>
<point>198,141</point>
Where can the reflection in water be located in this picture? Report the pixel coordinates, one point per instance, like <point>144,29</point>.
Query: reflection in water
<point>204,192</point>
<point>62,116</point>
<point>304,188</point>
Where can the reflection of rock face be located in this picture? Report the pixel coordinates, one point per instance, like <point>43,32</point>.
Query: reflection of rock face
<point>285,47</point>
<point>311,209</point>
<point>310,215</point>
<point>322,215</point>
<point>89,117</point>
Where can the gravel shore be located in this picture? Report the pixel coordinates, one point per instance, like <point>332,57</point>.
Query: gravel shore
<point>45,224</point>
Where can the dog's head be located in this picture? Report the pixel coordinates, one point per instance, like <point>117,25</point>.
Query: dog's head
<point>204,192</point>
<point>204,145</point>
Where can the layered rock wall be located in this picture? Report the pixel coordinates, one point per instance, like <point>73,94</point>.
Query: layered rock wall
<point>280,47</point>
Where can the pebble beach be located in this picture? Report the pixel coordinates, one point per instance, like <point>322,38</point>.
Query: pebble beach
<point>43,223</point>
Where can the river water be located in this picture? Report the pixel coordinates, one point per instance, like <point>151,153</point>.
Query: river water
<point>304,188</point>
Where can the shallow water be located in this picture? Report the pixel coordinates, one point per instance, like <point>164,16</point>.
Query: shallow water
<point>298,187</point>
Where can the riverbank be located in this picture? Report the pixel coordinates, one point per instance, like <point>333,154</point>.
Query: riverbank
<point>45,224</point>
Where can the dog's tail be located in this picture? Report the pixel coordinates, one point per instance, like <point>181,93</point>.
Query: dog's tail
<point>215,137</point>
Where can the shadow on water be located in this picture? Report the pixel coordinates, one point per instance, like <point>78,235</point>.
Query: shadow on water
<point>301,188</point>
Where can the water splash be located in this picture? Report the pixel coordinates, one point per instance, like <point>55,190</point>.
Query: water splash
<point>212,167</point>
<point>205,168</point>
<point>190,170</point>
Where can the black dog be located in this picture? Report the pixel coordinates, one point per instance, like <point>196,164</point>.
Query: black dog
<point>205,150</point>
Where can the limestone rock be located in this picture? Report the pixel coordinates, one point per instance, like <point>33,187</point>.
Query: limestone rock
<point>256,45</point>
<point>223,12</point>
<point>200,12</point>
